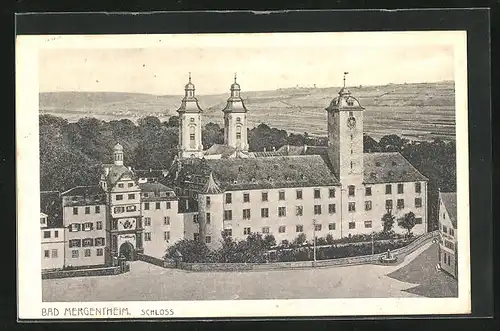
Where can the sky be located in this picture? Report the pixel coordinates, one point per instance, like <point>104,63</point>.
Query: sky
<point>261,61</point>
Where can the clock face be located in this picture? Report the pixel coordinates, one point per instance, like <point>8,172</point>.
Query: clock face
<point>351,122</point>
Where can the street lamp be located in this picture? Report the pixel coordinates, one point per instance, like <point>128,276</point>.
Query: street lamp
<point>314,241</point>
<point>373,245</point>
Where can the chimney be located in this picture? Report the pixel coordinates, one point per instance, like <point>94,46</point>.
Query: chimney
<point>305,148</point>
<point>287,149</point>
<point>106,169</point>
<point>274,149</point>
<point>264,149</point>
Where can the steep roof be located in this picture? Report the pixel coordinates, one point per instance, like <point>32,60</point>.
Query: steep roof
<point>116,172</point>
<point>51,205</point>
<point>269,153</point>
<point>154,187</point>
<point>218,149</point>
<point>235,105</point>
<point>256,173</point>
<point>450,202</point>
<point>211,187</point>
<point>83,191</point>
<point>389,167</point>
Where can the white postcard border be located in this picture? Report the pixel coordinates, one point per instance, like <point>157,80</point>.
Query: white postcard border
<point>28,182</point>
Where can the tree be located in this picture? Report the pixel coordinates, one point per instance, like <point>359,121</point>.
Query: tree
<point>301,238</point>
<point>370,145</point>
<point>270,241</point>
<point>173,122</point>
<point>407,222</point>
<point>193,251</point>
<point>387,222</point>
<point>329,239</point>
<point>212,134</point>
<point>392,143</point>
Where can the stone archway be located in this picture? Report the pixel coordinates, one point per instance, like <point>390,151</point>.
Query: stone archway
<point>127,251</point>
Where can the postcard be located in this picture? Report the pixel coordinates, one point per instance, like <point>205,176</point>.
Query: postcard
<point>242,175</point>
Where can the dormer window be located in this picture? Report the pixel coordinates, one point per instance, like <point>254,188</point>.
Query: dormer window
<point>350,103</point>
<point>269,178</point>
<point>394,163</point>
<point>373,175</point>
<point>254,180</point>
<point>377,164</point>
<point>276,167</point>
<point>390,173</point>
<point>240,168</point>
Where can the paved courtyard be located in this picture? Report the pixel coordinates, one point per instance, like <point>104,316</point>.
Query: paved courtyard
<point>146,282</point>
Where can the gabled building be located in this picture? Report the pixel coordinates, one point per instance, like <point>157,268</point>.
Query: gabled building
<point>123,201</point>
<point>85,227</point>
<point>448,233</point>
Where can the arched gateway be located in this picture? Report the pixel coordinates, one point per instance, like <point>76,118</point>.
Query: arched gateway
<point>127,251</point>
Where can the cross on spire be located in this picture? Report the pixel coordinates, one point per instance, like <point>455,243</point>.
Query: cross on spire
<point>235,77</point>
<point>345,74</point>
<point>190,76</point>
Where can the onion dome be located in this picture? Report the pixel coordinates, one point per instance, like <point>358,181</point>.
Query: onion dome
<point>118,148</point>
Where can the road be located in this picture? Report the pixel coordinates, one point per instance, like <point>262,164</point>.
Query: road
<point>146,282</point>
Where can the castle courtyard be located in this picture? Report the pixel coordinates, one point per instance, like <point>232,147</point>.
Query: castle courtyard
<point>146,282</point>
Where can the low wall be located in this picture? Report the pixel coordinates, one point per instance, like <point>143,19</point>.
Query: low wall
<point>308,264</point>
<point>105,271</point>
<point>155,261</point>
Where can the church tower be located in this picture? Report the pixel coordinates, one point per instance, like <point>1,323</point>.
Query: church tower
<point>190,144</point>
<point>235,120</point>
<point>345,137</point>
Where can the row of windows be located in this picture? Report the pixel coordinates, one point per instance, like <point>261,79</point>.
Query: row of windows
<point>157,205</point>
<point>449,231</point>
<point>97,210</point>
<point>300,228</point>
<point>208,239</point>
<point>47,254</point>
<point>87,242</point>
<point>448,244</point>
<point>317,193</point>
<point>121,209</point>
<point>446,257</point>
<point>129,184</point>
<point>299,210</point>
<point>166,221</point>
<point>281,196</point>
<point>87,226</point>
<point>46,234</point>
<point>86,253</point>
<point>130,196</point>
<point>148,236</point>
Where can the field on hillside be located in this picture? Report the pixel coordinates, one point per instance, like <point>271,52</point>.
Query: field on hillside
<point>417,111</point>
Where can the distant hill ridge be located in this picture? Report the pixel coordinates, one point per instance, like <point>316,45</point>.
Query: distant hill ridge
<point>418,110</point>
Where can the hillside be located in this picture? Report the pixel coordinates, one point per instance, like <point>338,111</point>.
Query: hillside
<point>417,111</point>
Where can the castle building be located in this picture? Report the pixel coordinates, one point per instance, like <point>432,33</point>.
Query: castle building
<point>336,189</point>
<point>52,238</point>
<point>162,222</point>
<point>447,230</point>
<point>85,230</point>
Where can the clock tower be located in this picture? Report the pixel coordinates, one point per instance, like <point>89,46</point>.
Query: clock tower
<point>345,137</point>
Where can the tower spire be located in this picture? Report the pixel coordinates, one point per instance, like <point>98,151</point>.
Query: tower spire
<point>345,74</point>
<point>190,76</point>
<point>234,77</point>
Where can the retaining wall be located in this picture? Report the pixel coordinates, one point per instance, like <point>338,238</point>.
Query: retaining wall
<point>292,265</point>
<point>105,271</point>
